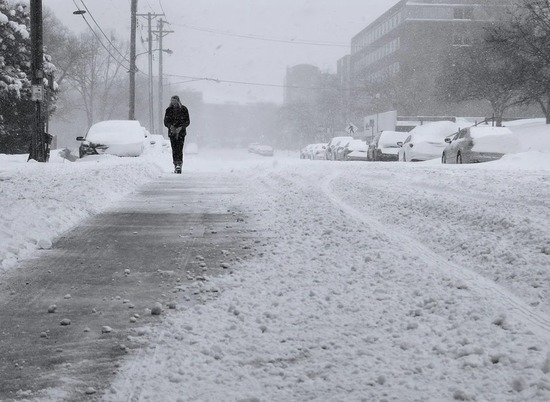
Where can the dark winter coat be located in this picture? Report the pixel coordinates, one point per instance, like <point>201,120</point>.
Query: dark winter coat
<point>177,117</point>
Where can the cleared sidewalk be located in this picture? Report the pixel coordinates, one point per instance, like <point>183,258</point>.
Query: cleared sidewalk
<point>104,276</point>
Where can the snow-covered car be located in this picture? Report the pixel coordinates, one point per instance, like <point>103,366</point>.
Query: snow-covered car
<point>114,137</point>
<point>305,152</point>
<point>355,150</point>
<point>318,151</point>
<point>264,150</point>
<point>332,145</point>
<point>426,142</point>
<point>253,147</point>
<point>338,149</point>
<point>479,144</point>
<point>385,146</point>
<point>313,151</point>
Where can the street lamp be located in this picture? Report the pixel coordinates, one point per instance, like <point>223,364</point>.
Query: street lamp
<point>154,50</point>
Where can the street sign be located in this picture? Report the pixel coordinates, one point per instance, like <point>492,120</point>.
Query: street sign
<point>37,94</point>
<point>351,128</point>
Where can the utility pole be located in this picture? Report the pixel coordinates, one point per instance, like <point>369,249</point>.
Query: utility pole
<point>132,102</point>
<point>38,135</point>
<point>161,33</point>
<point>150,17</point>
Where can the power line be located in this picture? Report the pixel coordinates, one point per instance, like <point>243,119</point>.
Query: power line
<point>192,79</point>
<point>262,38</point>
<point>162,8</point>
<point>99,40</point>
<point>101,30</point>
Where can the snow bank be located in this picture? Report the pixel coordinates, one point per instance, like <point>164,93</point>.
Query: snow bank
<point>41,201</point>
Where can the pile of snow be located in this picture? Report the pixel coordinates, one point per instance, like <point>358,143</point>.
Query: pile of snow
<point>40,201</point>
<point>533,134</point>
<point>494,139</point>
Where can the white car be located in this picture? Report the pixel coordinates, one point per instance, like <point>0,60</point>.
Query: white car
<point>264,150</point>
<point>317,151</point>
<point>114,137</point>
<point>426,142</point>
<point>332,146</point>
<point>356,150</point>
<point>384,147</point>
<point>305,152</point>
<point>479,144</point>
<point>253,148</point>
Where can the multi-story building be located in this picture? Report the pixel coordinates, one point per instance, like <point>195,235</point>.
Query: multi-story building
<point>408,45</point>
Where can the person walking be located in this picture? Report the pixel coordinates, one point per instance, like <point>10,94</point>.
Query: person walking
<point>176,119</point>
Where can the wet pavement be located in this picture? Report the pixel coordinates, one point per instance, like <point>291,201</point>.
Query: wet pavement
<point>147,249</point>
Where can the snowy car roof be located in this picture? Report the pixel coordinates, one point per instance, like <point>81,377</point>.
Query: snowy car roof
<point>116,132</point>
<point>437,130</point>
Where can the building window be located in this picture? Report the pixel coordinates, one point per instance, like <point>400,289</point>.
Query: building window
<point>464,13</point>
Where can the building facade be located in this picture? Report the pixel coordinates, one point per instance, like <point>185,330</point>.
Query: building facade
<point>408,45</point>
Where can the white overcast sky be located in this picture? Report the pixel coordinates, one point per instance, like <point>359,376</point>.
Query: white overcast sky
<point>204,52</point>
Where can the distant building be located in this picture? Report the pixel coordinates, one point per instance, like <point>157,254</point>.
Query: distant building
<point>411,41</point>
<point>301,84</point>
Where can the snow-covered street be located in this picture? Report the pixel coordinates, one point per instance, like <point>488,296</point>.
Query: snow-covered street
<point>366,281</point>
<point>373,282</point>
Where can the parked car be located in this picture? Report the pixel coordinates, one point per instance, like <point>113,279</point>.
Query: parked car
<point>338,150</point>
<point>304,152</point>
<point>317,151</point>
<point>385,146</point>
<point>426,142</point>
<point>114,137</point>
<point>332,145</point>
<point>308,151</point>
<point>479,144</point>
<point>264,150</point>
<point>253,147</point>
<point>355,150</point>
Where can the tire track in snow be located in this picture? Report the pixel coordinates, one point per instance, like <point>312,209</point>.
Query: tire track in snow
<point>539,323</point>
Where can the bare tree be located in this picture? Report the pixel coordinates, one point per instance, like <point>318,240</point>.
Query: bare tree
<point>97,76</point>
<point>481,72</point>
<point>527,37</point>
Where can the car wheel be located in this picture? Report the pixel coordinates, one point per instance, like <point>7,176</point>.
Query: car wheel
<point>459,158</point>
